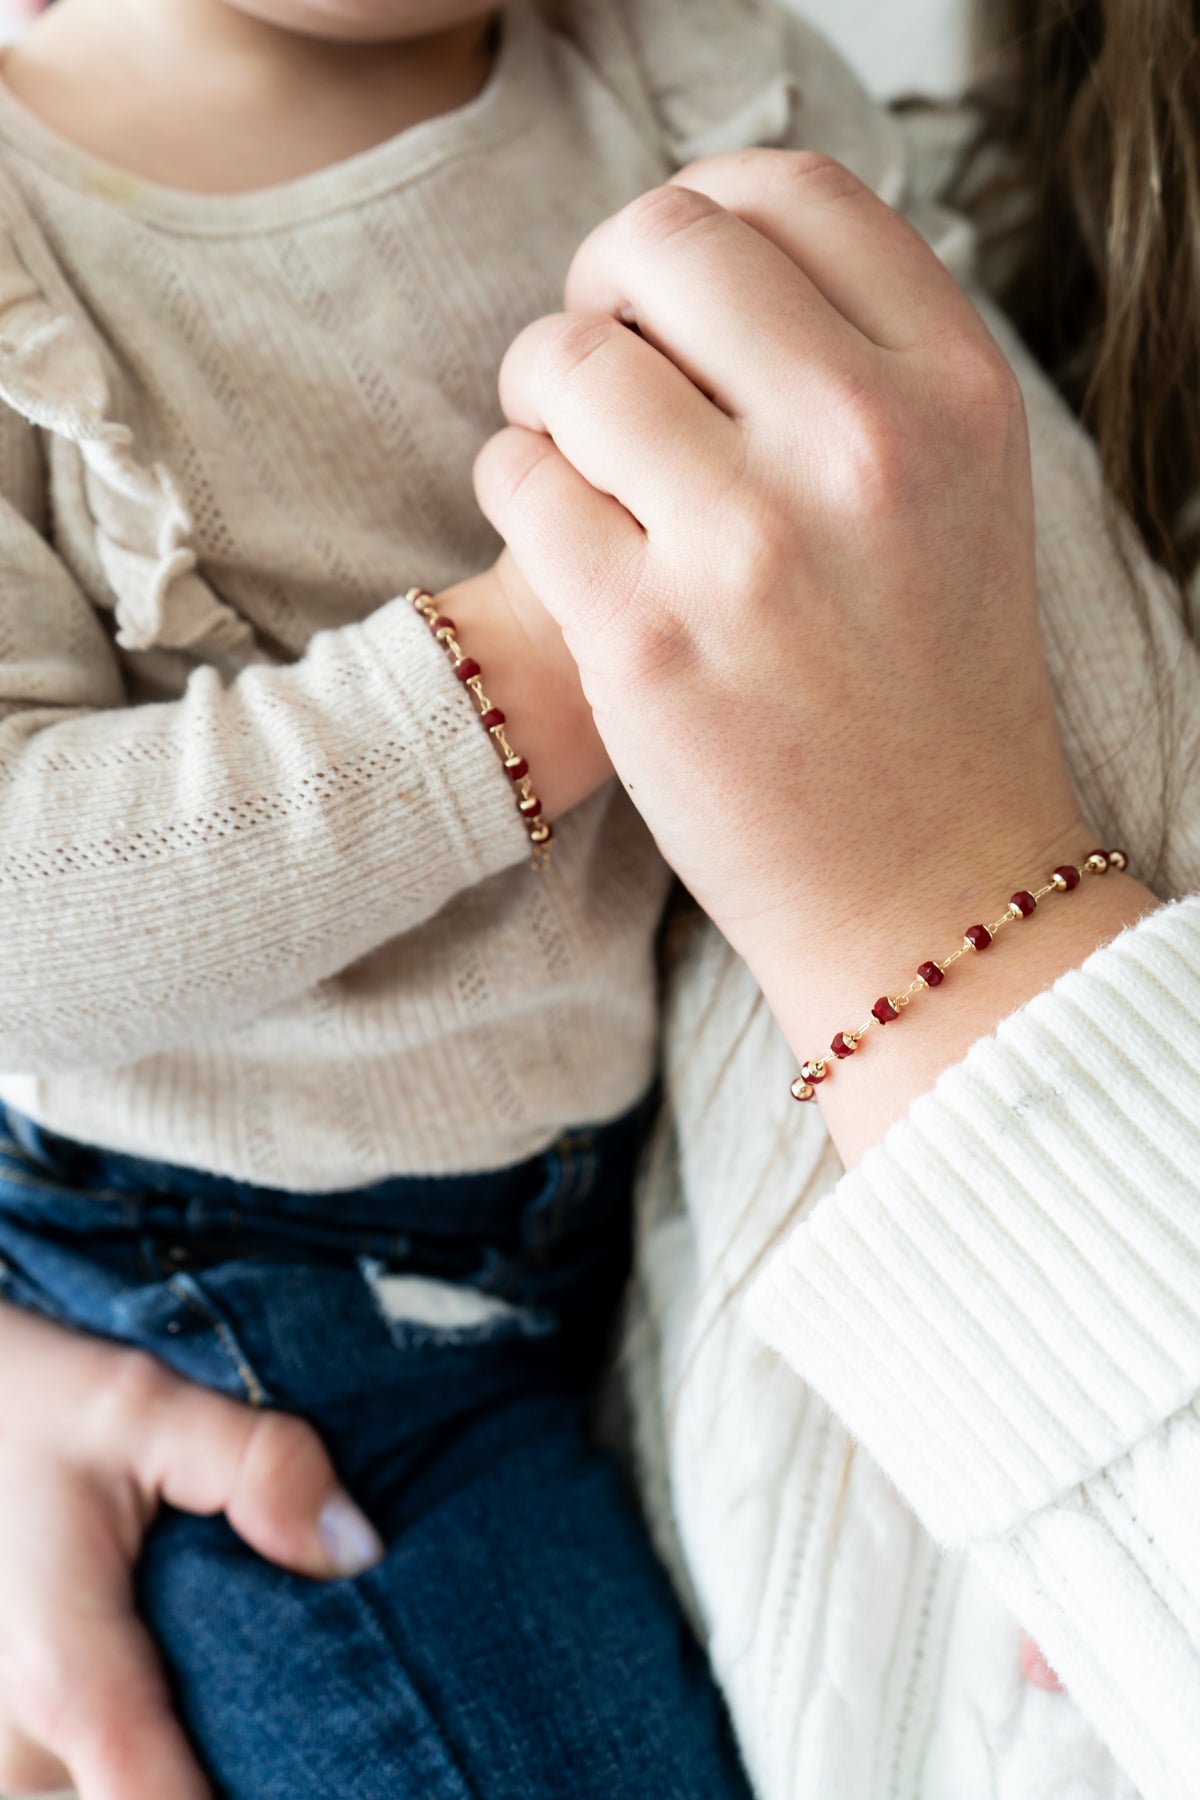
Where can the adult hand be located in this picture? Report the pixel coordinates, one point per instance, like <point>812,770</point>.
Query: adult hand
<point>787,527</point>
<point>92,1438</point>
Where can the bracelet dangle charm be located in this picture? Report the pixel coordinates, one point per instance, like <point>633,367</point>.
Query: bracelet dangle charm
<point>1063,880</point>
<point>468,671</point>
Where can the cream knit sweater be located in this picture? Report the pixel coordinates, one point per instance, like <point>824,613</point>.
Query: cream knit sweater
<point>884,1416</point>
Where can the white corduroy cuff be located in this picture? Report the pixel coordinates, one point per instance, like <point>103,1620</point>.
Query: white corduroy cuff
<point>1005,1295</point>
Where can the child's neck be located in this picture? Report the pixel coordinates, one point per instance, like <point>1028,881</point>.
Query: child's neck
<point>195,94</point>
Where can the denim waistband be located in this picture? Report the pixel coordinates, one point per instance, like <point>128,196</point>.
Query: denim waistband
<point>82,1187</point>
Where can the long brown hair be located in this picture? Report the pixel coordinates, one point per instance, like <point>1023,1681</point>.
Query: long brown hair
<point>1095,106</point>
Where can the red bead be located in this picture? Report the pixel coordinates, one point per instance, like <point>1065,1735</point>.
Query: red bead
<point>931,975</point>
<point>979,937</point>
<point>518,768</point>
<point>1024,902</point>
<point>841,1049</point>
<point>494,719</point>
<point>443,624</point>
<point>884,1011</point>
<point>814,1071</point>
<point>531,807</point>
<point>1068,877</point>
<point>467,669</point>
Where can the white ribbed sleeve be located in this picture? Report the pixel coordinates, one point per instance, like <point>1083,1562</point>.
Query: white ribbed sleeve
<point>1003,1304</point>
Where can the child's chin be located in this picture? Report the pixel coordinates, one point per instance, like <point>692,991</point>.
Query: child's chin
<point>367,21</point>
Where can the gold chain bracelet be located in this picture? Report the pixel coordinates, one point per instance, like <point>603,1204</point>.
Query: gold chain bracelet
<point>541,832</point>
<point>931,974</point>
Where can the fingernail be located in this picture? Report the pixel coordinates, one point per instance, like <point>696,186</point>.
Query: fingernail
<point>351,1541</point>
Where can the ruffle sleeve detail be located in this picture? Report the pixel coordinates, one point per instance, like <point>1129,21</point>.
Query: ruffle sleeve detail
<point>52,373</point>
<point>735,74</point>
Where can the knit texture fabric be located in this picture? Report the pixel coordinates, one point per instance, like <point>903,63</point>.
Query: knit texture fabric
<point>886,1418</point>
<point>264,902</point>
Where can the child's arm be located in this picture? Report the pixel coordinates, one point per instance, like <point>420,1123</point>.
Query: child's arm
<point>175,868</point>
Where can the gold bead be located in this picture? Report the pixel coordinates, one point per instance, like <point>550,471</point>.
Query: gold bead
<point>802,1090</point>
<point>816,1070</point>
<point>1117,859</point>
<point>1096,864</point>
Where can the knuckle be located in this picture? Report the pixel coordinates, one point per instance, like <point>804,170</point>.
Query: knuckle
<point>573,339</point>
<point>661,646</point>
<point>656,217</point>
<point>984,379</point>
<point>813,175</point>
<point>639,633</point>
<point>507,466</point>
<point>878,454</point>
<point>758,535</point>
<point>281,1450</point>
<point>135,1387</point>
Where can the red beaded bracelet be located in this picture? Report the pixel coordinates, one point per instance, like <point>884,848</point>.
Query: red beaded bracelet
<point>541,832</point>
<point>932,974</point>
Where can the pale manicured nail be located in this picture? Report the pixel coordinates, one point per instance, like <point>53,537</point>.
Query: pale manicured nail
<point>351,1541</point>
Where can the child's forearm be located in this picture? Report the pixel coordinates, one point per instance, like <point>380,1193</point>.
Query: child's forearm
<point>173,869</point>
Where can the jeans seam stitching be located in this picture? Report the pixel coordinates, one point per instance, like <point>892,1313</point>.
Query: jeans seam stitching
<point>367,1602</point>
<point>46,1185</point>
<point>256,1394</point>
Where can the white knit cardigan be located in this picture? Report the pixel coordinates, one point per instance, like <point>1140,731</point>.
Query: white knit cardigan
<point>884,1416</point>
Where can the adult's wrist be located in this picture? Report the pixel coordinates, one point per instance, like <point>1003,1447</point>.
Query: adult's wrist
<point>827,978</point>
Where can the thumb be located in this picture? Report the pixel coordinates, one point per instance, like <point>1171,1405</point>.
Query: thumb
<point>268,1473</point>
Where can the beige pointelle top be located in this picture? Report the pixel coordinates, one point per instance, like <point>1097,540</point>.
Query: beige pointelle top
<point>264,897</point>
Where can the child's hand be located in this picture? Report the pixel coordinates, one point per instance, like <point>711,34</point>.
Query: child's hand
<point>531,675</point>
<point>92,1438</point>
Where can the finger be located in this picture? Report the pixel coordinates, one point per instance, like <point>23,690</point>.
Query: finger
<point>27,1769</point>
<point>1035,1668</point>
<point>729,308</point>
<point>622,414</point>
<point>570,541</point>
<point>119,1737</point>
<point>868,262</point>
<point>268,1473</point>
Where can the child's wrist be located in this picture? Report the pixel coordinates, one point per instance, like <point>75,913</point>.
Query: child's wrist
<point>530,674</point>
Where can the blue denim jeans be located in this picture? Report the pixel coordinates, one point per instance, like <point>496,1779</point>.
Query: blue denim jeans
<point>520,1641</point>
